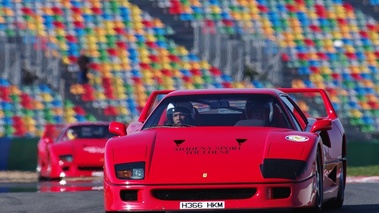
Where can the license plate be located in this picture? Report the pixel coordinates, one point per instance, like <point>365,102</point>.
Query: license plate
<point>203,205</point>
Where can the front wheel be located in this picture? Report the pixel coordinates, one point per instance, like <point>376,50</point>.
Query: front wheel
<point>338,201</point>
<point>318,185</point>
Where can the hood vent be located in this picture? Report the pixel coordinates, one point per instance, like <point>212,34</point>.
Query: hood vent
<point>178,142</point>
<point>241,140</point>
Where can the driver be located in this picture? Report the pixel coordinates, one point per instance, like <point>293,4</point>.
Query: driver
<point>181,115</point>
<point>258,110</point>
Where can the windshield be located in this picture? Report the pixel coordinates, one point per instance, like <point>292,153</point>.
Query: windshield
<point>219,110</point>
<point>87,131</point>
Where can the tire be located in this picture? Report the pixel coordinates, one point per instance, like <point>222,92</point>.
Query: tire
<point>337,202</point>
<point>319,185</point>
<point>38,170</point>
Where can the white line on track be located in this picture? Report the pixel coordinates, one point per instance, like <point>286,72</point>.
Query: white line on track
<point>362,179</point>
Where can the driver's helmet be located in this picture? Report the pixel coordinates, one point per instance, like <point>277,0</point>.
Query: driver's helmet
<point>71,134</point>
<point>171,110</point>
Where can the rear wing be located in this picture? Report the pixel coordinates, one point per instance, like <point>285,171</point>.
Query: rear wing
<point>311,92</point>
<point>52,131</point>
<point>153,100</point>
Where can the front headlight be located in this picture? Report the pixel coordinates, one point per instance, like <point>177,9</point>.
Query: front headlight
<point>65,158</point>
<point>135,171</point>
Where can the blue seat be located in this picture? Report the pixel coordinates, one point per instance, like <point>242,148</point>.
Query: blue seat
<point>4,82</point>
<point>214,2</point>
<point>78,4</point>
<point>6,106</point>
<point>133,55</point>
<point>193,57</point>
<point>361,56</point>
<point>332,56</point>
<point>257,84</point>
<point>140,38</point>
<point>368,120</point>
<point>159,31</point>
<point>186,17</point>
<point>315,63</point>
<point>217,85</point>
<point>80,118</point>
<point>308,83</point>
<point>136,73</point>
<point>226,78</point>
<point>304,71</point>
<point>225,15</point>
<point>8,121</point>
<point>80,32</point>
<point>373,69</point>
<point>185,72</point>
<point>58,119</point>
<point>366,41</point>
<point>88,18</point>
<point>281,8</point>
<point>161,44</point>
<point>353,105</point>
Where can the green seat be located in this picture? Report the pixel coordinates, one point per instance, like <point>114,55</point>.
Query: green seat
<point>90,117</point>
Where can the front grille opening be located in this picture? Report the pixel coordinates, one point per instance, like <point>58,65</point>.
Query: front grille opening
<point>90,168</point>
<point>65,168</point>
<point>128,195</point>
<point>204,194</point>
<point>280,192</point>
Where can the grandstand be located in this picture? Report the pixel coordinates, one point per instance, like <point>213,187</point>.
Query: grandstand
<point>138,46</point>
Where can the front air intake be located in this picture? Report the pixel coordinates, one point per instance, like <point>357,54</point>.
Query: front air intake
<point>128,195</point>
<point>204,194</point>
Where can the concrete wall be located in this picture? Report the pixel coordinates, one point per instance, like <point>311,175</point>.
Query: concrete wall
<point>21,153</point>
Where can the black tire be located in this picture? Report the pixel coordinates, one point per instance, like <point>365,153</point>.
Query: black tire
<point>338,201</point>
<point>319,185</point>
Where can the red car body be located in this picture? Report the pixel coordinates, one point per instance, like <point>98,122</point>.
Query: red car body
<point>224,160</point>
<point>61,156</point>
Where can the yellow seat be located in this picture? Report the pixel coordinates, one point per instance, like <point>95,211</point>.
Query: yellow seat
<point>189,86</point>
<point>86,10</point>
<point>76,89</point>
<point>197,79</point>
<point>122,110</point>
<point>100,95</point>
<point>303,105</point>
<point>58,111</point>
<point>126,66</point>
<point>116,67</point>
<point>182,50</point>
<point>14,90</point>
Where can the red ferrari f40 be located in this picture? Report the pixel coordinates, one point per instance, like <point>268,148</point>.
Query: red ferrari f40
<point>227,149</point>
<point>74,150</point>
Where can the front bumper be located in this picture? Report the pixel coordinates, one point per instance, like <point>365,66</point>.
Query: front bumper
<point>292,194</point>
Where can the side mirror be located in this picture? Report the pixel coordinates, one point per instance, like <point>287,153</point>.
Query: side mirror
<point>117,128</point>
<point>47,140</point>
<point>321,125</point>
<point>134,127</point>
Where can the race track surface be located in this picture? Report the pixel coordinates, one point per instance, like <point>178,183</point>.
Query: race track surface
<point>359,197</point>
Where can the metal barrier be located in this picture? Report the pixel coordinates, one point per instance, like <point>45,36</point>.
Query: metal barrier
<point>233,52</point>
<point>24,60</point>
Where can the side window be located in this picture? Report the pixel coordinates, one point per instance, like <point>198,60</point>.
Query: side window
<point>156,102</point>
<point>295,113</point>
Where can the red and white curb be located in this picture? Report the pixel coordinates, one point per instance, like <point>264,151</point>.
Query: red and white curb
<point>362,179</point>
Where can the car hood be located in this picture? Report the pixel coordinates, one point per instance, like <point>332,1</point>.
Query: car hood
<point>203,154</point>
<point>83,150</point>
